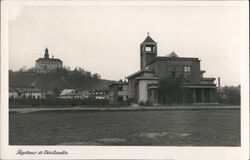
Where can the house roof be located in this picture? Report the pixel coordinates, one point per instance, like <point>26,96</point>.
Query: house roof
<point>29,90</point>
<point>119,83</point>
<point>68,92</point>
<point>12,89</point>
<point>208,79</point>
<point>149,39</point>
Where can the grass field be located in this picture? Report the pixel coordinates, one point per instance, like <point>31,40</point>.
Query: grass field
<point>212,127</point>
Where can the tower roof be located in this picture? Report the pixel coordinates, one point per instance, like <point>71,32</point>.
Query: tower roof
<point>149,39</point>
<point>46,55</point>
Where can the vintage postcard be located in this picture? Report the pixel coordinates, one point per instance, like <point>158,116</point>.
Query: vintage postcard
<point>125,80</point>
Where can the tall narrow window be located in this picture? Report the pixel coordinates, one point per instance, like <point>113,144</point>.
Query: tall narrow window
<point>187,73</point>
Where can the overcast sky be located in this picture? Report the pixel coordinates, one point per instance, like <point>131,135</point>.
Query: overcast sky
<point>105,39</point>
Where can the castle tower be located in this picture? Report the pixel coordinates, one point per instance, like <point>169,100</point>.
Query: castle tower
<point>148,51</point>
<point>46,55</point>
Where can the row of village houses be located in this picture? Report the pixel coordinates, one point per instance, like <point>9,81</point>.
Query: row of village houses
<point>37,93</point>
<point>116,93</point>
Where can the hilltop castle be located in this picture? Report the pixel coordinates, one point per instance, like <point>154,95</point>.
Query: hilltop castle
<point>46,64</point>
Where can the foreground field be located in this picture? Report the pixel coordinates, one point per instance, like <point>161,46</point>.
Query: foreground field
<point>212,127</point>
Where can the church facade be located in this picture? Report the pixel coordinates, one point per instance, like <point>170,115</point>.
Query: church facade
<point>145,85</point>
<point>47,64</point>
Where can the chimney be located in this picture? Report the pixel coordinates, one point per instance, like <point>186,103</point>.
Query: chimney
<point>218,81</point>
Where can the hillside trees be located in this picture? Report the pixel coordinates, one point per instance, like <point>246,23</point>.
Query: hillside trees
<point>63,78</point>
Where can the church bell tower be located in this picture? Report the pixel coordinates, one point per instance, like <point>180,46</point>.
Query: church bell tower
<point>148,51</point>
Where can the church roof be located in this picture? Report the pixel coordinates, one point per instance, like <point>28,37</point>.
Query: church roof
<point>139,72</point>
<point>149,39</point>
<point>175,58</point>
<point>49,59</point>
<point>172,54</point>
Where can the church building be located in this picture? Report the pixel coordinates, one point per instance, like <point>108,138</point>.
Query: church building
<point>47,64</point>
<point>144,86</point>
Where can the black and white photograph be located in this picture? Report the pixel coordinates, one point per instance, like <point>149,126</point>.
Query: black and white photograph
<point>124,80</point>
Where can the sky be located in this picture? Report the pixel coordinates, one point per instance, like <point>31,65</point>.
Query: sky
<point>105,39</point>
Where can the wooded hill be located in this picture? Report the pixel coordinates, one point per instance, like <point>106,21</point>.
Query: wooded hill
<point>62,79</point>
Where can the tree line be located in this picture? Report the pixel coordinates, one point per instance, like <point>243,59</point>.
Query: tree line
<point>61,71</point>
